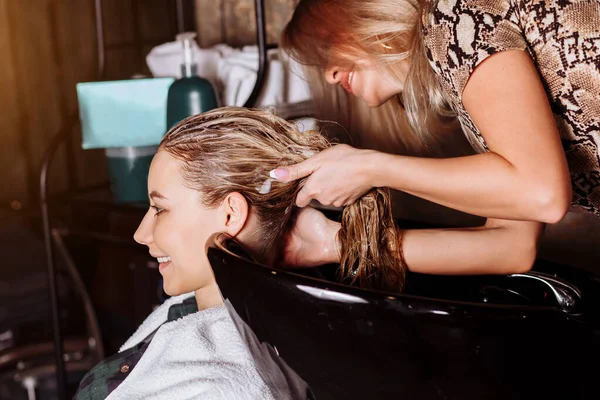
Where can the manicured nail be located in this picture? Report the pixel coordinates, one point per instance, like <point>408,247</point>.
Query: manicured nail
<point>279,174</point>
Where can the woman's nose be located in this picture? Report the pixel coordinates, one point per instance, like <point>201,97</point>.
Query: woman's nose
<point>143,234</point>
<point>333,74</point>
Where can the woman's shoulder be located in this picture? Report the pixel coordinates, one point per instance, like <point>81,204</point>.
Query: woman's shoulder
<point>484,12</point>
<point>460,34</point>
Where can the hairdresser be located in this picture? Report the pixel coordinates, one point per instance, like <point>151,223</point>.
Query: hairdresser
<point>522,80</point>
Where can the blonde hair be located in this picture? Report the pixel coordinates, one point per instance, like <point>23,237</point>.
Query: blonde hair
<point>233,149</point>
<point>321,32</point>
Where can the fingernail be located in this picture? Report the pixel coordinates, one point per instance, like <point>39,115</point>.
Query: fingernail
<point>279,174</point>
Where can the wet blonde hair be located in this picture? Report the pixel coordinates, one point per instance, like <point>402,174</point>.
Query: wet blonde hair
<point>233,149</point>
<point>337,32</point>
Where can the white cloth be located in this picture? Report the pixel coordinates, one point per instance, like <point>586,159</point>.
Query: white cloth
<point>154,320</point>
<point>233,73</point>
<point>164,60</point>
<point>210,354</point>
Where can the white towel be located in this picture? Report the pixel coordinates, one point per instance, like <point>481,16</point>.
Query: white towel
<point>211,354</point>
<point>154,320</point>
<point>165,60</point>
<point>233,73</point>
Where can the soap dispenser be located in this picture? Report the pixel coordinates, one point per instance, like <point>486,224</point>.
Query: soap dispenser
<point>190,94</point>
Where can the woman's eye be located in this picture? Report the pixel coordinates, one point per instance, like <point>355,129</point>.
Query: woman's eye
<point>157,210</point>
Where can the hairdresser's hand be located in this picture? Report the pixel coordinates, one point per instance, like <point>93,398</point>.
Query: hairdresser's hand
<point>338,176</point>
<point>312,240</point>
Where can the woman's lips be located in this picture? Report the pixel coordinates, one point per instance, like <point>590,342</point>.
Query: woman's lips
<point>163,265</point>
<point>345,81</point>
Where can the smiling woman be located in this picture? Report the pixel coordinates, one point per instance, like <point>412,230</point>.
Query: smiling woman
<point>520,79</point>
<point>176,227</point>
<point>211,175</point>
<point>365,79</point>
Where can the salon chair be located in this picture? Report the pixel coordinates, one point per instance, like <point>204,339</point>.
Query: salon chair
<point>522,336</point>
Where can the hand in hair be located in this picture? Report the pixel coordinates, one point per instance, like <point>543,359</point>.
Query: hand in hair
<point>338,176</point>
<point>311,241</point>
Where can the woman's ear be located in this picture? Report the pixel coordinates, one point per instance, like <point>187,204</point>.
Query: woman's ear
<point>233,213</point>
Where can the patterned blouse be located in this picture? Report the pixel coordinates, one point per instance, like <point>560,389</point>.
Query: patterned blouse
<point>563,39</point>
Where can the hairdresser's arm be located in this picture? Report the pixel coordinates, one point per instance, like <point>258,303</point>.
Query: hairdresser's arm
<point>498,247</point>
<point>524,177</point>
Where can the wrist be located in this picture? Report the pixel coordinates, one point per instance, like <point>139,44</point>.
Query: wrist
<point>375,167</point>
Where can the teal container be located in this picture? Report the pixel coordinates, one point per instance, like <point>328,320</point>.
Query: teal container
<point>124,113</point>
<point>190,94</point>
<point>128,172</point>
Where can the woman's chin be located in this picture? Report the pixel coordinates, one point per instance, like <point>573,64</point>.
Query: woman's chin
<point>374,103</point>
<point>170,289</point>
<point>176,290</point>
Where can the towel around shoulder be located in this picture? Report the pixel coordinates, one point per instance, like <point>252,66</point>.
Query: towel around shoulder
<point>210,354</point>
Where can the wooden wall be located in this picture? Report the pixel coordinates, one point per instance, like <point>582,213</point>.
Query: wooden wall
<point>46,47</point>
<point>233,21</point>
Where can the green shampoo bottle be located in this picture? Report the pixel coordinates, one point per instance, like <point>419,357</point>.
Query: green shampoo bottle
<point>191,94</point>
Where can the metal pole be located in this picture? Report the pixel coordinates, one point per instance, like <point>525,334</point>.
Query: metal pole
<point>180,16</point>
<point>262,53</point>
<point>51,270</point>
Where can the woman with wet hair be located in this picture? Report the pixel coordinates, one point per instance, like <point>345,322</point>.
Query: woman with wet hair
<point>520,78</point>
<point>211,175</point>
<point>225,155</point>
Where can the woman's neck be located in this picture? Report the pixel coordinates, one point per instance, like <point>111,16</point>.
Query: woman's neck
<point>208,296</point>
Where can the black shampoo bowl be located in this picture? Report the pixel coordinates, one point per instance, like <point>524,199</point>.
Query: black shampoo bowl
<point>528,336</point>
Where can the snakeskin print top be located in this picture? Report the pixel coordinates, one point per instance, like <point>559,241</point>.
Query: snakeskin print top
<point>563,39</point>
